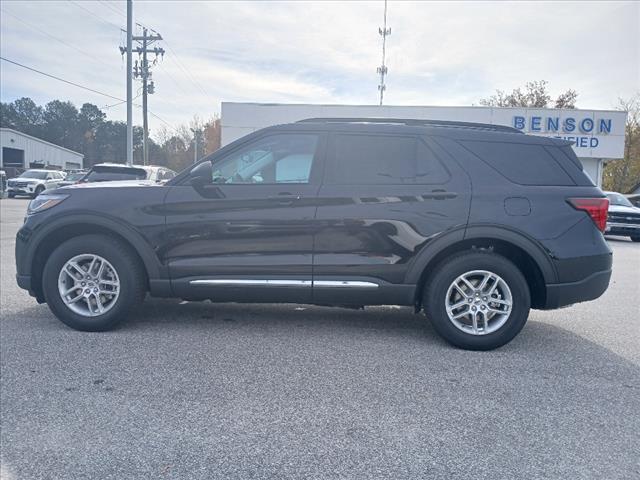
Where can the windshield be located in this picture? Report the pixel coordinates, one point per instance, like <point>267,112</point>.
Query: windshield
<point>114,174</point>
<point>33,174</point>
<point>618,199</point>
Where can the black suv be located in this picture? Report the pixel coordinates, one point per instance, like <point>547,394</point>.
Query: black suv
<point>474,224</point>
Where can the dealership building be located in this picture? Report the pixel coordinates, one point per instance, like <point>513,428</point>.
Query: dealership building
<point>597,135</point>
<point>21,151</point>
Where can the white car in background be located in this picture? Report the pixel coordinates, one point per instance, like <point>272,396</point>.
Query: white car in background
<point>33,182</point>
<point>109,172</point>
<point>623,218</point>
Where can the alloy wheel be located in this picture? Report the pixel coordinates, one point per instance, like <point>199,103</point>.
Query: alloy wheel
<point>89,285</point>
<point>479,302</point>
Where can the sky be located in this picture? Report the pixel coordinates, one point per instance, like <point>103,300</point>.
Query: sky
<point>438,53</point>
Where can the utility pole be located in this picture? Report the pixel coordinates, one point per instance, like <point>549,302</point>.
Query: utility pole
<point>196,132</point>
<point>142,70</point>
<point>129,83</point>
<point>382,70</point>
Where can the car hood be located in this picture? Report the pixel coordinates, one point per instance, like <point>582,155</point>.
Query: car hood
<point>115,184</point>
<point>623,209</point>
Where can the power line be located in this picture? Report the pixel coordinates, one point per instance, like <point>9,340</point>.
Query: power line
<point>174,57</point>
<point>105,21</point>
<point>84,88</point>
<point>60,79</point>
<point>112,8</point>
<point>42,32</point>
<point>123,101</point>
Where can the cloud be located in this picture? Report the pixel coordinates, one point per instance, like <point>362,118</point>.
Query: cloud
<point>439,53</point>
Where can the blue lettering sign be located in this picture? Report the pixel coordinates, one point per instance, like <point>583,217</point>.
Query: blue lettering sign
<point>518,122</point>
<point>594,142</point>
<point>553,124</point>
<point>583,142</point>
<point>605,125</point>
<point>535,124</point>
<point>569,124</point>
<point>586,125</point>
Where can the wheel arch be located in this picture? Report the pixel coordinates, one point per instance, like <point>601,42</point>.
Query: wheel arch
<point>54,234</point>
<point>526,253</point>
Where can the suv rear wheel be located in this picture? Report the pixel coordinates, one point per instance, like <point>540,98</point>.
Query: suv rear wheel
<point>91,282</point>
<point>477,300</point>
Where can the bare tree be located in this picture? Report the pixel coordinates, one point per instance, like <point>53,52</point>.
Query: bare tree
<point>623,175</point>
<point>534,95</point>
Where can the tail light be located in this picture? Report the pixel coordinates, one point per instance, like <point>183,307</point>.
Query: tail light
<point>596,208</point>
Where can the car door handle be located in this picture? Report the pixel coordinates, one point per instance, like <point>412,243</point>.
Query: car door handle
<point>439,194</point>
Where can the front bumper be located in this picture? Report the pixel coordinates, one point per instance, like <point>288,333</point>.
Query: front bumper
<point>28,190</point>
<point>622,229</point>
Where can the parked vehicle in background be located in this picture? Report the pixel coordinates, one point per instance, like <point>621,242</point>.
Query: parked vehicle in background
<point>33,182</point>
<point>3,184</point>
<point>72,177</point>
<point>623,217</point>
<point>109,172</point>
<point>474,224</point>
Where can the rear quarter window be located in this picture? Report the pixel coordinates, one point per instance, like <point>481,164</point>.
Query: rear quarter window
<point>520,163</point>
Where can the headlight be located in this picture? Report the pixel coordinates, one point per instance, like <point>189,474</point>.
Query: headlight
<point>44,202</point>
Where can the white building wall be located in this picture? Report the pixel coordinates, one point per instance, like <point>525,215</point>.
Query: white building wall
<point>593,167</point>
<point>39,151</point>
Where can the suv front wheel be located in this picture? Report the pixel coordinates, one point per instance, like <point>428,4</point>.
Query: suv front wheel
<point>91,282</point>
<point>39,190</point>
<point>477,300</point>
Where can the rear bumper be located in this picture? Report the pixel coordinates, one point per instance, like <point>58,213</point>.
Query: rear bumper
<point>583,279</point>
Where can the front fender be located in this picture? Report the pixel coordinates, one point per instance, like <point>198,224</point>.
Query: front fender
<point>144,249</point>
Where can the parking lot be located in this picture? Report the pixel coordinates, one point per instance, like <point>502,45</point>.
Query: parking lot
<point>199,390</point>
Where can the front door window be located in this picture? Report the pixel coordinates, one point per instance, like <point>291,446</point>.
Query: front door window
<point>282,158</point>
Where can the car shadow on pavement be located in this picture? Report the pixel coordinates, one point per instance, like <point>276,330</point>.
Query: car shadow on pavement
<point>158,316</point>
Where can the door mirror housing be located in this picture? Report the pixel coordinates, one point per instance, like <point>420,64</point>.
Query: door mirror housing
<point>201,174</point>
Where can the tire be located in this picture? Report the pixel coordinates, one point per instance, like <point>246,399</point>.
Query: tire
<point>38,191</point>
<point>11,195</point>
<point>439,290</point>
<point>635,238</point>
<point>128,272</point>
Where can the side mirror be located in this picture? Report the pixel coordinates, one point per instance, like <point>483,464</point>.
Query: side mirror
<point>201,175</point>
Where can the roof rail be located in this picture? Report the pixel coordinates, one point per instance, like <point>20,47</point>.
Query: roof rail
<point>414,122</point>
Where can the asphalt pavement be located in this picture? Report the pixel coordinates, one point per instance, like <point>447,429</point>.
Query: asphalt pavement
<point>206,391</point>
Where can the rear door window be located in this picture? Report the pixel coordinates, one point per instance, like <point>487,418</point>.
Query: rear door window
<point>356,159</point>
